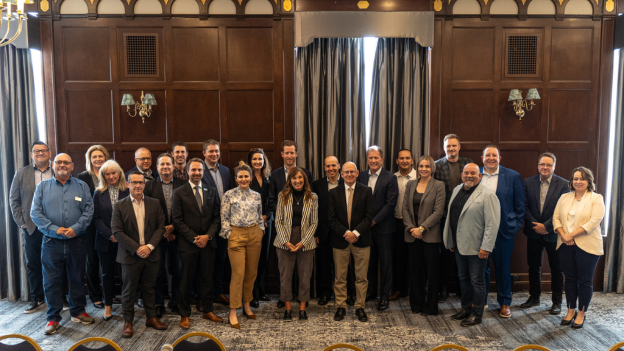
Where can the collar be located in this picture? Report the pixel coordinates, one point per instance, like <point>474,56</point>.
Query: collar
<point>47,169</point>
<point>376,173</point>
<point>135,200</point>
<point>170,182</point>
<point>549,180</point>
<point>352,186</point>
<point>493,174</point>
<point>336,182</point>
<point>193,185</point>
<point>471,190</point>
<point>148,172</point>
<point>216,168</point>
<point>411,175</point>
<point>68,180</point>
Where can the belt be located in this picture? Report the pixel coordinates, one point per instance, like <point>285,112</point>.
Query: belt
<point>249,226</point>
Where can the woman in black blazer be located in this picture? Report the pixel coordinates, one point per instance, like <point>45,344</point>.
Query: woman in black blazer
<point>112,189</point>
<point>260,182</point>
<point>423,206</point>
<point>95,157</point>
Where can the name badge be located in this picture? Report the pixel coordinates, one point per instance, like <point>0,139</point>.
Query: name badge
<point>78,199</point>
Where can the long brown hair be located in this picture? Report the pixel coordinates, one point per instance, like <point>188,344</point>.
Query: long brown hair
<point>266,167</point>
<point>285,193</point>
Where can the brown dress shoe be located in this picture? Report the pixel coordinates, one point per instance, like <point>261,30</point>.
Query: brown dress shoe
<point>199,306</point>
<point>222,299</point>
<point>505,311</point>
<point>155,323</point>
<point>127,330</point>
<point>212,317</point>
<point>185,322</point>
<point>396,295</point>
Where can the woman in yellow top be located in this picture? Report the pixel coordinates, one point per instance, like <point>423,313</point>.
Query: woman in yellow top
<point>577,220</point>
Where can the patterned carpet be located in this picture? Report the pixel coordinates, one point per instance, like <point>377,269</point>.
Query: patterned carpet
<point>396,329</point>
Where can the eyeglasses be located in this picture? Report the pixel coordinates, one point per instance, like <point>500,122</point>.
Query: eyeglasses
<point>137,183</point>
<point>349,172</point>
<point>545,165</point>
<point>64,163</point>
<point>41,152</point>
<point>144,159</point>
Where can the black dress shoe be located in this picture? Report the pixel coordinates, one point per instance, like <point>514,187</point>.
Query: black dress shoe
<point>531,302</point>
<point>428,313</point>
<point>175,309</point>
<point>288,315</point>
<point>160,311</point>
<point>264,298</point>
<point>362,317</point>
<point>383,305</point>
<point>461,315</point>
<point>578,326</point>
<point>323,300</point>
<point>280,304</point>
<point>555,309</point>
<point>139,303</point>
<point>254,303</point>
<point>568,322</point>
<point>416,311</point>
<point>340,313</point>
<point>99,304</point>
<point>443,295</point>
<point>303,316</point>
<point>470,321</point>
<point>350,301</point>
<point>370,298</point>
<point>116,301</point>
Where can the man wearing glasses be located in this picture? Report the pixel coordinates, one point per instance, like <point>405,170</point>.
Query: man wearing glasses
<point>542,192</point>
<point>62,209</point>
<point>143,159</point>
<point>22,190</point>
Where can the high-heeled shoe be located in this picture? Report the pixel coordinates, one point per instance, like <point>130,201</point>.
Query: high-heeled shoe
<point>107,318</point>
<point>249,316</point>
<point>236,326</point>
<point>568,322</point>
<point>578,326</point>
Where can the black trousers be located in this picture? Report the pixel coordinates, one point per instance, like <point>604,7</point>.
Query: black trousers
<point>32,251</point>
<point>535,249</point>
<point>424,267</point>
<point>202,261</point>
<point>141,274</point>
<point>168,273</point>
<point>108,263</point>
<point>380,262</point>
<point>448,265</point>
<point>260,284</point>
<point>324,269</point>
<point>400,279</point>
<point>93,266</point>
<point>220,265</point>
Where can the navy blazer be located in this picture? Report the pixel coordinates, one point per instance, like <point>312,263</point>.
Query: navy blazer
<point>558,186</point>
<point>278,181</point>
<point>321,188</point>
<point>136,169</point>
<point>510,193</point>
<point>102,216</point>
<point>385,197</point>
<point>226,178</point>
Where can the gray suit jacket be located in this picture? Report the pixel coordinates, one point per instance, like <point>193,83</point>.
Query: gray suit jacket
<point>478,222</point>
<point>21,197</point>
<point>429,213</point>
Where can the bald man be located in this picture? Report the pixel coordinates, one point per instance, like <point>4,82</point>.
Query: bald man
<point>62,210</point>
<point>143,160</point>
<point>470,232</point>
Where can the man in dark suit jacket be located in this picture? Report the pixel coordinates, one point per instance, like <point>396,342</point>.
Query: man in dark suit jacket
<point>162,189</point>
<point>385,193</point>
<point>507,184</point>
<point>542,192</point>
<point>324,252</point>
<point>217,176</point>
<point>350,209</point>
<point>198,227</point>
<point>138,224</point>
<point>143,159</point>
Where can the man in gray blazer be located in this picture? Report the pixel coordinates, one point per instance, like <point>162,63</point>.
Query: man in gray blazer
<point>470,231</point>
<point>21,196</point>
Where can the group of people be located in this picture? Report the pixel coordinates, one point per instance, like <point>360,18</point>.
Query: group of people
<point>368,235</point>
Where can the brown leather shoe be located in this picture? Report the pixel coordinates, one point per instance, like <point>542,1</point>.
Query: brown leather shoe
<point>199,306</point>
<point>127,330</point>
<point>396,295</point>
<point>505,311</point>
<point>155,323</point>
<point>222,299</point>
<point>185,322</point>
<point>212,317</point>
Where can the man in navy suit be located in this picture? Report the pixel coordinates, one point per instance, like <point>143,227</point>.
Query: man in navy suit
<point>143,160</point>
<point>542,192</point>
<point>507,185</point>
<point>385,193</point>
<point>217,176</point>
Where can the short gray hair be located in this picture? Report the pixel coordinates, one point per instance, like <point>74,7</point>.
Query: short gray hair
<point>374,148</point>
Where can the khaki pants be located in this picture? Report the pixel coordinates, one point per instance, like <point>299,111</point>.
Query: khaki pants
<point>244,247</point>
<point>361,256</point>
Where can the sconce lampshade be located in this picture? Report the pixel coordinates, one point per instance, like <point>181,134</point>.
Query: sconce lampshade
<point>149,99</point>
<point>533,94</point>
<point>514,95</point>
<point>127,100</point>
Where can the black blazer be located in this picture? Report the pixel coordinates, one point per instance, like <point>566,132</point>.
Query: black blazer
<point>126,231</point>
<point>226,178</point>
<point>153,188</point>
<point>361,215</point>
<point>321,188</point>
<point>264,193</point>
<point>102,216</point>
<point>136,169</point>
<point>558,187</point>
<point>86,177</point>
<point>278,181</point>
<point>189,222</point>
<point>385,198</point>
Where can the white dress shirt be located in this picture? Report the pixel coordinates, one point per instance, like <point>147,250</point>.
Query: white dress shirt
<point>372,178</point>
<point>347,196</point>
<point>201,193</point>
<point>139,213</point>
<point>402,180</point>
<point>490,180</point>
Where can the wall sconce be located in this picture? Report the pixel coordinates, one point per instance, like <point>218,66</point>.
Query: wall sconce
<point>515,95</point>
<point>144,108</point>
<point>5,6</point>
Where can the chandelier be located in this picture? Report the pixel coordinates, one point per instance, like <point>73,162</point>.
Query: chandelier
<point>8,16</point>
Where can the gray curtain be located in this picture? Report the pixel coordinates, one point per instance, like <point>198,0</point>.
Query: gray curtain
<point>330,103</point>
<point>18,130</point>
<point>614,254</point>
<point>400,98</point>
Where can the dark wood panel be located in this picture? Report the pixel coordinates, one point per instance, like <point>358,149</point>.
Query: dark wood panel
<point>250,116</point>
<point>470,63</point>
<point>567,160</point>
<point>472,114</point>
<point>86,54</point>
<point>133,130</point>
<point>571,57</point>
<point>196,54</point>
<point>250,54</point>
<point>569,115</point>
<point>521,161</point>
<point>196,115</point>
<point>89,116</point>
<point>511,128</point>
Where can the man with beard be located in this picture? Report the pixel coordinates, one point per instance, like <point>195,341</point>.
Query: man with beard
<point>470,232</point>
<point>179,150</point>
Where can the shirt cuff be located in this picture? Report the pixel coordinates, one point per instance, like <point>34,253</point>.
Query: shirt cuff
<point>151,247</point>
<point>356,233</point>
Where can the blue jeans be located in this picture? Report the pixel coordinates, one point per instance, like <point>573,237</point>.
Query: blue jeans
<point>470,270</point>
<point>169,266</point>
<point>501,256</point>
<point>578,269</point>
<point>59,257</point>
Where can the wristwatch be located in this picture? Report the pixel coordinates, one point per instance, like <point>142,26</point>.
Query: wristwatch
<point>421,229</point>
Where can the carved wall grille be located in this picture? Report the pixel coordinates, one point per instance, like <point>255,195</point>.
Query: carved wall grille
<point>522,55</point>
<point>141,54</point>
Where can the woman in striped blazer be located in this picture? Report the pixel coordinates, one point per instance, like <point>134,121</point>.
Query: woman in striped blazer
<point>296,221</point>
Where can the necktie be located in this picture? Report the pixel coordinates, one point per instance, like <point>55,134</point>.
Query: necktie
<point>198,198</point>
<point>350,207</point>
